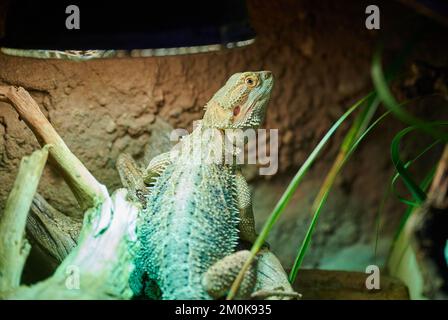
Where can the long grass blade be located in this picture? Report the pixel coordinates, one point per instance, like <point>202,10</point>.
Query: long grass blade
<point>406,165</point>
<point>417,193</point>
<point>287,195</point>
<point>390,190</point>
<point>398,247</point>
<point>424,185</point>
<point>382,89</point>
<point>323,194</point>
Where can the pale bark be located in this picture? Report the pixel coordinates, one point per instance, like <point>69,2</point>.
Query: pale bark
<point>99,266</point>
<point>429,235</point>
<point>83,184</point>
<point>14,248</point>
<point>55,233</point>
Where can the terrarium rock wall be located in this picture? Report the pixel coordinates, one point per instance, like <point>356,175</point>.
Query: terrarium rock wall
<point>320,55</point>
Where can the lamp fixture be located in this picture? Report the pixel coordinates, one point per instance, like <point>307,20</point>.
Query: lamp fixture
<point>83,30</point>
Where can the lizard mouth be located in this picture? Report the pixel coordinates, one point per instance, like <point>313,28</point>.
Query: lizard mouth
<point>244,114</point>
<point>248,113</point>
<point>244,121</point>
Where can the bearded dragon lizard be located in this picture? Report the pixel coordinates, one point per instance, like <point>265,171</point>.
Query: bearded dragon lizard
<point>197,214</point>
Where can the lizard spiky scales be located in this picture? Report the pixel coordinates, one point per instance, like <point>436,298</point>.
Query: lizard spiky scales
<point>179,223</point>
<point>193,211</point>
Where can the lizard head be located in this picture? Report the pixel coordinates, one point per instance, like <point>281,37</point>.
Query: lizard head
<point>241,102</point>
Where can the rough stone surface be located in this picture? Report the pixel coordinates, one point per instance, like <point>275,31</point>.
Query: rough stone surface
<point>331,285</point>
<point>320,55</point>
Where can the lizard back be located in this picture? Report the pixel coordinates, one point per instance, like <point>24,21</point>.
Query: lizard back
<point>192,217</point>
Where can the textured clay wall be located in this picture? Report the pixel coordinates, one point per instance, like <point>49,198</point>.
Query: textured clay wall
<point>320,56</point>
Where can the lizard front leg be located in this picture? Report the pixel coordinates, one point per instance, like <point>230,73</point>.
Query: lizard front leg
<point>244,203</point>
<point>131,177</point>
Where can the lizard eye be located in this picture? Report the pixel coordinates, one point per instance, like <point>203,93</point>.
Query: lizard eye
<point>236,111</point>
<point>250,81</point>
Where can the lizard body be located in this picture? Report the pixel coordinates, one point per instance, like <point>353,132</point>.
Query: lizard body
<point>197,211</point>
<point>186,230</point>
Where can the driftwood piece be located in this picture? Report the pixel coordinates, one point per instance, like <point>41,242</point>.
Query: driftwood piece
<point>86,188</point>
<point>429,234</point>
<point>14,248</point>
<point>83,184</point>
<point>438,194</point>
<point>100,264</point>
<point>55,233</point>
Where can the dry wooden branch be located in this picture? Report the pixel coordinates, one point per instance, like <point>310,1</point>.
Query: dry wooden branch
<point>83,184</point>
<point>100,265</point>
<point>55,233</point>
<point>438,193</point>
<point>430,234</point>
<point>14,248</point>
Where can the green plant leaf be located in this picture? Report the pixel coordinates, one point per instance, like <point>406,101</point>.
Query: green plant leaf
<point>324,192</point>
<point>424,185</point>
<point>417,193</point>
<point>410,205</point>
<point>382,89</point>
<point>400,243</point>
<point>406,165</point>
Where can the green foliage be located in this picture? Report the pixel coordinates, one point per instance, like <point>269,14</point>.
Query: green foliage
<point>297,179</point>
<point>388,100</point>
<point>402,261</point>
<point>403,169</point>
<point>287,195</point>
<point>360,128</point>
<point>351,141</point>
